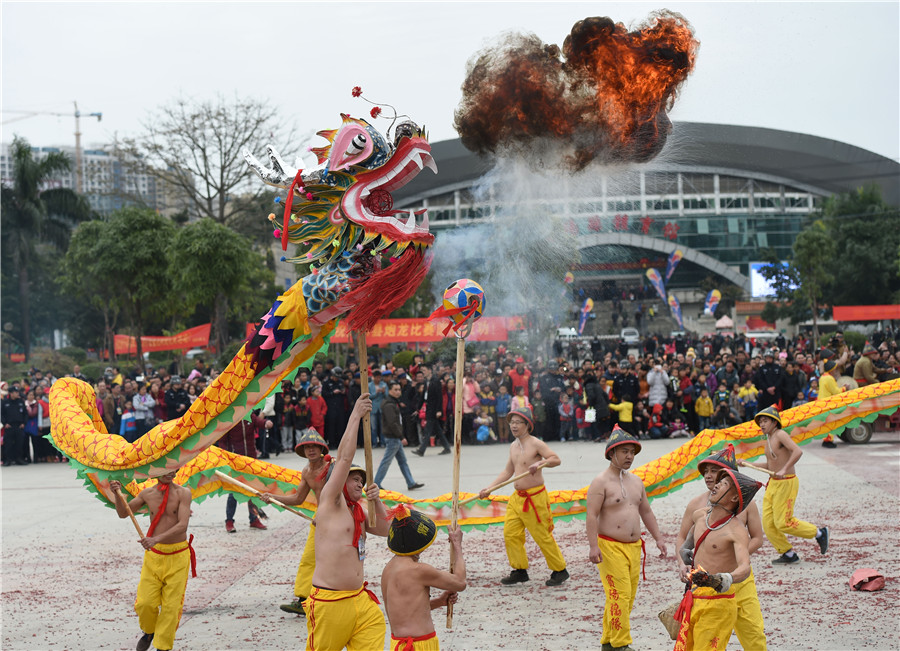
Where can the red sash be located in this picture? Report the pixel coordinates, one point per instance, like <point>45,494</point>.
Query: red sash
<point>371,594</point>
<point>178,551</point>
<point>643,552</point>
<point>408,643</point>
<point>528,501</point>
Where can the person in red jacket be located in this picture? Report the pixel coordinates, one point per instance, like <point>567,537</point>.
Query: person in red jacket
<point>317,409</point>
<point>241,439</point>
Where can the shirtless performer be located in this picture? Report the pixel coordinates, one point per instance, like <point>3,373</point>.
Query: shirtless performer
<point>716,553</point>
<point>340,611</point>
<point>616,505</point>
<point>749,623</point>
<point>529,506</point>
<point>164,575</point>
<point>406,582</point>
<point>781,491</point>
<point>314,448</point>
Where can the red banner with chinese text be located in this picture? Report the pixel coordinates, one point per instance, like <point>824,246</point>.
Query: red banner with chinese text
<point>197,337</point>
<point>389,331</point>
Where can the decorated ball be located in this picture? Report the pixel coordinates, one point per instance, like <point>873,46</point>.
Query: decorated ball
<point>462,293</point>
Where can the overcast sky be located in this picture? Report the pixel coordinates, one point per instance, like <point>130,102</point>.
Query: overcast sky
<point>826,69</point>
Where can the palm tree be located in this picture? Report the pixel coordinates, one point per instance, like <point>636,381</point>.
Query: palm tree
<point>32,215</point>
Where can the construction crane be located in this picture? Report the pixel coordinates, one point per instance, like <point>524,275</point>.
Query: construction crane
<point>79,170</point>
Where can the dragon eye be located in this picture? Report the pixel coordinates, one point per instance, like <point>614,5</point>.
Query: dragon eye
<point>357,145</point>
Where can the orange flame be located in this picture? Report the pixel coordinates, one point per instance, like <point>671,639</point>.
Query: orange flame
<point>607,100</point>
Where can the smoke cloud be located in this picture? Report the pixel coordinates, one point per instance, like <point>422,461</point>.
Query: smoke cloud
<point>603,97</point>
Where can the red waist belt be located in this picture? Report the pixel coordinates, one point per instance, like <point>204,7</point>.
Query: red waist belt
<point>178,551</point>
<point>408,643</point>
<point>359,592</point>
<point>528,501</point>
<point>643,552</point>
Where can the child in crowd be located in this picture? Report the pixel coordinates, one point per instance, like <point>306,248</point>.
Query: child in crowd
<point>658,427</point>
<point>800,399</point>
<point>734,401</point>
<point>504,401</point>
<point>625,410</point>
<point>520,400</point>
<point>482,424</point>
<point>582,426</point>
<point>317,409</point>
<point>641,419</point>
<point>748,397</point>
<point>566,417</point>
<point>704,409</point>
<point>128,425</point>
<point>540,414</point>
<point>722,393</point>
<point>679,429</point>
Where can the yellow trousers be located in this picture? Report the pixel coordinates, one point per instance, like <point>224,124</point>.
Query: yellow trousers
<point>425,643</point>
<point>778,514</point>
<point>307,567</point>
<point>713,616</point>
<point>620,568</point>
<point>343,618</point>
<point>530,510</point>
<point>749,624</point>
<point>160,592</point>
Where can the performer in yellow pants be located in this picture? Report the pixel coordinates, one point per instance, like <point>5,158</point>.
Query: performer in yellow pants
<point>160,592</point>
<point>712,619</point>
<point>530,509</point>
<point>620,568</point>
<point>425,643</point>
<point>778,514</point>
<point>303,582</point>
<point>344,618</point>
<point>749,624</point>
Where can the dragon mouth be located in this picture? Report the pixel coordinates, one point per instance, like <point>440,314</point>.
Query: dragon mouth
<point>368,201</point>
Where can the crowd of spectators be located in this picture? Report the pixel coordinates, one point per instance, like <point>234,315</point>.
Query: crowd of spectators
<point>659,388</point>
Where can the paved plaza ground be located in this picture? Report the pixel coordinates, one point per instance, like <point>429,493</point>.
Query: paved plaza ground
<point>70,566</point>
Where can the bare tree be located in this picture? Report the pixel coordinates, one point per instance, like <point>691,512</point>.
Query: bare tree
<point>194,149</point>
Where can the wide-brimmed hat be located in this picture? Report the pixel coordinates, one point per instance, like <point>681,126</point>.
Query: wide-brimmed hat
<point>353,468</point>
<point>524,412</point>
<point>830,365</point>
<point>411,532</point>
<point>307,437</point>
<point>723,459</point>
<point>621,437</point>
<point>771,412</point>
<point>869,349</point>
<point>747,487</point>
<point>826,353</point>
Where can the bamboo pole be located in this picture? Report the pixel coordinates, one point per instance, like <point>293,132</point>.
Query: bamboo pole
<point>131,515</point>
<point>502,484</point>
<point>362,355</point>
<point>457,450</point>
<point>747,464</point>
<point>250,489</point>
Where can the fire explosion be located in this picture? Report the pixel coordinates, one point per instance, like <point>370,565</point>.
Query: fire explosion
<point>604,96</point>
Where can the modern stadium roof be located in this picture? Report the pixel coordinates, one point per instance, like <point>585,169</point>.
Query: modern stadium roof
<point>818,165</point>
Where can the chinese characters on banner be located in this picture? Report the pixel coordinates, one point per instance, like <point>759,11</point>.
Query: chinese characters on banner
<point>389,331</point>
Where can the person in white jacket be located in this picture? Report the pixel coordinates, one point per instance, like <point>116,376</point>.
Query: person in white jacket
<point>658,380</point>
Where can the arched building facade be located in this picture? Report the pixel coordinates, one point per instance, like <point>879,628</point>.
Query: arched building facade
<point>720,193</point>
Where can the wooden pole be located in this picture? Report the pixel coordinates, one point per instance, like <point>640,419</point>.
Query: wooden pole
<point>457,449</point>
<point>362,355</point>
<point>747,464</point>
<point>501,485</point>
<point>250,489</point>
<point>131,515</point>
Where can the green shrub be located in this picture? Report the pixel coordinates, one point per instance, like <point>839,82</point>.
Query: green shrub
<point>48,360</point>
<point>94,370</point>
<point>78,354</point>
<point>403,359</point>
<point>855,340</point>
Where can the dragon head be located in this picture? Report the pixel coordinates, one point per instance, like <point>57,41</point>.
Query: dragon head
<point>366,258</point>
